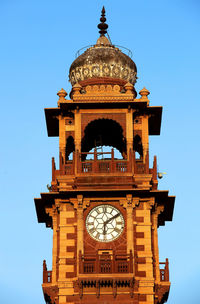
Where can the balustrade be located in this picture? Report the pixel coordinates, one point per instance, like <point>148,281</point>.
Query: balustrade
<point>80,165</point>
<point>106,263</point>
<point>164,272</point>
<point>47,274</point>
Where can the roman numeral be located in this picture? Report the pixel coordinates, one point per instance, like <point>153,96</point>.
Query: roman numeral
<point>90,223</point>
<point>117,230</point>
<point>119,223</point>
<point>92,230</point>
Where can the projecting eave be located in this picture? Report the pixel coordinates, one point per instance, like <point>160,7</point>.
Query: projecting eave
<point>41,204</point>
<point>47,200</point>
<point>155,117</point>
<point>52,121</point>
<point>162,199</point>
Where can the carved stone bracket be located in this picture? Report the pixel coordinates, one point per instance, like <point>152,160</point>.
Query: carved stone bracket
<point>97,283</point>
<point>132,287</point>
<point>52,212</point>
<point>161,293</point>
<point>114,288</point>
<point>130,201</point>
<point>80,202</point>
<point>98,289</point>
<point>78,287</point>
<point>159,209</point>
<point>149,203</point>
<point>51,294</point>
<point>59,205</point>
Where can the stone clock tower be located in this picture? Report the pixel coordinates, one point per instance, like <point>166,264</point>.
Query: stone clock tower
<point>103,204</point>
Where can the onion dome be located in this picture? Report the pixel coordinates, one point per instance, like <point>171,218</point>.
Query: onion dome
<point>103,62</point>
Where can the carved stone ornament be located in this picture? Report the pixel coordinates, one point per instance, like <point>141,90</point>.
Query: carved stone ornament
<point>62,94</point>
<point>130,201</point>
<point>80,202</point>
<point>103,69</point>
<point>51,294</point>
<point>161,293</point>
<point>149,203</point>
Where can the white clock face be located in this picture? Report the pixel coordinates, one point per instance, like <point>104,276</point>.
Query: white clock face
<point>105,223</point>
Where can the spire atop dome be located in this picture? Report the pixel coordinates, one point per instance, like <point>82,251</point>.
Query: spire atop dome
<point>103,26</point>
<point>103,62</point>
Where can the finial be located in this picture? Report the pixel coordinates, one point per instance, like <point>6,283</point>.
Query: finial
<point>61,94</point>
<point>103,26</point>
<point>144,93</point>
<point>129,88</point>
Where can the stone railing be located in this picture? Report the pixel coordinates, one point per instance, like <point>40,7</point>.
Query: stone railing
<point>164,272</point>
<point>81,166</point>
<point>105,263</point>
<point>47,275</point>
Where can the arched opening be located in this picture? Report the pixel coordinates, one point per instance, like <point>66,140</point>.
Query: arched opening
<point>70,148</point>
<point>137,147</point>
<point>104,133</point>
<point>104,152</point>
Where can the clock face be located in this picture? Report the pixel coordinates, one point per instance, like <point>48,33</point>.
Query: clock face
<point>105,223</point>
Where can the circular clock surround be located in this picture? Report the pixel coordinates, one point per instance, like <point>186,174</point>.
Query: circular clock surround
<point>105,223</point>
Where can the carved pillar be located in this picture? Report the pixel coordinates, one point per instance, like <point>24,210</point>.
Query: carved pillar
<point>62,139</point>
<point>155,214</point>
<point>145,136</point>
<point>53,212</point>
<point>148,204</point>
<point>77,130</point>
<point>77,140</point>
<point>129,213</point>
<point>129,132</point>
<point>80,205</point>
<point>80,224</point>
<point>129,204</point>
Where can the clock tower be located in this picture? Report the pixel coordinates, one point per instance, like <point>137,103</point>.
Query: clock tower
<point>103,204</point>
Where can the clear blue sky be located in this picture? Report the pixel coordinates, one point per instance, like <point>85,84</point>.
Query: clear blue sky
<point>39,40</point>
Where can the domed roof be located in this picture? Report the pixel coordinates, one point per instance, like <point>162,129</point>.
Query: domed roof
<point>103,60</point>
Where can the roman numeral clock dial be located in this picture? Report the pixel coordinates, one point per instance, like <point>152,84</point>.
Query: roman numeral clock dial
<point>105,223</point>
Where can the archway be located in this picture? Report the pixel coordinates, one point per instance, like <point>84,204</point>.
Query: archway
<point>137,147</point>
<point>104,132</point>
<point>70,148</point>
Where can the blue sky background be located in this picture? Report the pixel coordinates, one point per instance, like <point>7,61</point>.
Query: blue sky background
<point>39,40</point>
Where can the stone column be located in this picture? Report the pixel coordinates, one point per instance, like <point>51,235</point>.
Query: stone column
<point>53,212</point>
<point>77,130</point>
<point>129,214</point>
<point>145,136</point>
<point>80,223</point>
<point>129,131</point>
<point>62,139</point>
<point>129,204</point>
<point>155,240</point>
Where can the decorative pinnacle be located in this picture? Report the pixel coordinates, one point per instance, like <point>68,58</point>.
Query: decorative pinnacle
<point>61,94</point>
<point>103,26</point>
<point>144,93</point>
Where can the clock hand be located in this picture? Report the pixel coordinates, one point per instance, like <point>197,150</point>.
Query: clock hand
<point>112,218</point>
<point>104,229</point>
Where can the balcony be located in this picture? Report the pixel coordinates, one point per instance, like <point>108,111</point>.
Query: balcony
<point>105,263</point>
<point>47,275</point>
<point>164,272</point>
<point>108,164</point>
<point>105,172</point>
